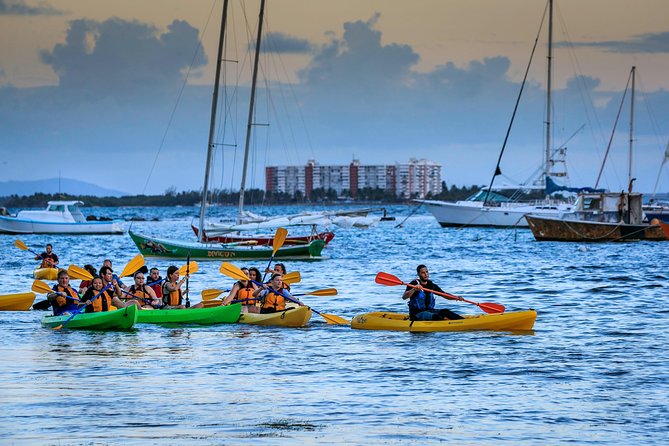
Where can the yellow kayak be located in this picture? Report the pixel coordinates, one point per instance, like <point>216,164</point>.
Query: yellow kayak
<point>511,321</point>
<point>16,302</point>
<point>292,317</point>
<point>46,273</point>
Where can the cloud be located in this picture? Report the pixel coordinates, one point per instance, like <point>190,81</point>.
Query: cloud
<point>19,7</point>
<point>277,42</point>
<point>652,43</point>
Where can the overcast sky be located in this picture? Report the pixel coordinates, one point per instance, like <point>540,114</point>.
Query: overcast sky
<point>119,93</point>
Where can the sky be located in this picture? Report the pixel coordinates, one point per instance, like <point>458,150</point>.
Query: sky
<point>119,93</point>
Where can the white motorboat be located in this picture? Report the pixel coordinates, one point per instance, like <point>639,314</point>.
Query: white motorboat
<point>59,217</point>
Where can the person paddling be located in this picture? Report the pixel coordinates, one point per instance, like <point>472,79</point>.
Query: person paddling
<point>273,296</point>
<point>114,288</point>
<point>242,291</point>
<point>172,293</point>
<point>48,257</point>
<point>142,292</point>
<point>64,299</point>
<point>421,300</point>
<point>156,282</point>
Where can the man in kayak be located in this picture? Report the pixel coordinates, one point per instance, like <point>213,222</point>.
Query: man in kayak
<point>421,300</point>
<point>64,299</point>
<point>48,257</point>
<point>156,282</point>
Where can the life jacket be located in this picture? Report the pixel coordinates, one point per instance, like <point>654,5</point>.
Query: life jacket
<point>45,261</point>
<point>64,304</point>
<point>421,301</point>
<point>171,298</point>
<point>102,303</point>
<point>245,294</point>
<point>157,287</point>
<point>144,297</point>
<point>274,302</point>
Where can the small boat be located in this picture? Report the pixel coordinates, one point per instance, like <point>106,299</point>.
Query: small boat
<point>201,316</point>
<point>59,217</point>
<point>121,319</point>
<point>510,321</point>
<point>262,240</point>
<point>16,302</point>
<point>46,273</point>
<point>157,247</point>
<point>291,317</point>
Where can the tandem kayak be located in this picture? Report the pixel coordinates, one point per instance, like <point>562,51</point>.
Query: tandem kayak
<point>202,316</point>
<point>291,317</point>
<point>511,321</point>
<point>16,302</point>
<point>46,273</point>
<point>121,319</point>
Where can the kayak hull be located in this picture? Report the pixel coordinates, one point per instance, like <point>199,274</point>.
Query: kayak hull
<point>46,273</point>
<point>292,317</point>
<point>16,302</point>
<point>511,321</point>
<point>202,316</point>
<point>121,319</point>
<point>157,247</point>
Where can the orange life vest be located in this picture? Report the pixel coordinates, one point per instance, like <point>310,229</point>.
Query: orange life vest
<point>171,298</point>
<point>273,301</point>
<point>103,301</point>
<point>60,300</point>
<point>245,294</point>
<point>144,297</point>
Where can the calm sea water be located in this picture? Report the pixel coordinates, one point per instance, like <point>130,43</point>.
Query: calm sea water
<point>593,372</point>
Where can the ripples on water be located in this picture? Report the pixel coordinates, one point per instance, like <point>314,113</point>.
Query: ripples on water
<point>593,372</point>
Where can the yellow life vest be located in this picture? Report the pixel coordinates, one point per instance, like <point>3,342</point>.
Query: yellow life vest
<point>171,298</point>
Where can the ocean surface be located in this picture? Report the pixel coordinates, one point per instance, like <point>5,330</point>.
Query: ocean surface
<point>594,371</point>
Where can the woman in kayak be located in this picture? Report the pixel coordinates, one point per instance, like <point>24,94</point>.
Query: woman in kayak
<point>421,300</point>
<point>279,268</point>
<point>172,293</point>
<point>273,295</point>
<point>104,300</point>
<point>64,299</point>
<point>143,293</point>
<point>242,291</point>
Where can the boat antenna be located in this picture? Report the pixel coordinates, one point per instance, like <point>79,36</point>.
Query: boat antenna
<point>249,124</point>
<point>549,77</point>
<point>629,166</point>
<point>212,122</point>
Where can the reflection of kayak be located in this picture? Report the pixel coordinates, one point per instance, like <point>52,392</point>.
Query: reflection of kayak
<point>16,302</point>
<point>121,319</point>
<point>46,273</point>
<point>514,320</point>
<point>203,316</point>
<point>292,317</point>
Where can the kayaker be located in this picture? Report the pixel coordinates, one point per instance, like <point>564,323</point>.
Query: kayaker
<point>143,293</point>
<point>273,295</point>
<point>156,282</point>
<point>279,268</point>
<point>172,293</point>
<point>254,274</point>
<point>48,257</point>
<point>242,291</point>
<point>104,301</point>
<point>85,284</point>
<point>114,291</point>
<point>64,298</point>
<point>108,263</point>
<point>421,301</point>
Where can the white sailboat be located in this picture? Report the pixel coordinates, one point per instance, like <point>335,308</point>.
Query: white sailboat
<point>482,210</point>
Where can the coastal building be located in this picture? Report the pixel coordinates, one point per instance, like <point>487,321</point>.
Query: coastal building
<point>415,178</point>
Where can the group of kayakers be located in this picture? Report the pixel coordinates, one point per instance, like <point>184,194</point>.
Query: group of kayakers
<point>257,296</point>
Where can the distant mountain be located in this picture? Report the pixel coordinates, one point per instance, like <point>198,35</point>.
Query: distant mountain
<point>55,185</point>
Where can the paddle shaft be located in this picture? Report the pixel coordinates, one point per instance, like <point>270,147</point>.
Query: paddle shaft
<point>79,310</point>
<point>187,277</point>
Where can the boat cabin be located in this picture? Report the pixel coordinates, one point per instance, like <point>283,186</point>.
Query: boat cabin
<point>609,207</point>
<point>57,211</point>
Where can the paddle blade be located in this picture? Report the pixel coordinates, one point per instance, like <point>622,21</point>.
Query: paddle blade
<point>292,277</point>
<point>19,244</point>
<point>133,265</point>
<point>41,287</point>
<point>77,272</point>
<point>279,239</point>
<point>211,294</point>
<point>388,279</point>
<point>212,303</point>
<point>333,319</point>
<point>491,308</point>
<point>323,292</point>
<point>190,268</point>
<point>231,270</point>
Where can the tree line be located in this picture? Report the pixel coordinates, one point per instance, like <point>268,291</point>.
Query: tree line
<point>225,197</point>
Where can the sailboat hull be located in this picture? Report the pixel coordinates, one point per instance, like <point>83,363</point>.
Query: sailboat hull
<point>564,230</point>
<point>260,240</point>
<point>158,247</point>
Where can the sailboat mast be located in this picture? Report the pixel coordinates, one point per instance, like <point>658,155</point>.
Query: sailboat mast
<point>547,165</point>
<point>249,124</point>
<point>212,123</point>
<point>629,164</point>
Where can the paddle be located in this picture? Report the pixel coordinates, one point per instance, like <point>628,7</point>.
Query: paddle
<point>232,271</point>
<point>133,265</point>
<point>190,267</point>
<point>41,288</point>
<point>292,277</point>
<point>213,293</point>
<point>187,277</point>
<point>390,280</point>
<point>22,246</point>
<point>76,272</point>
<point>277,242</point>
